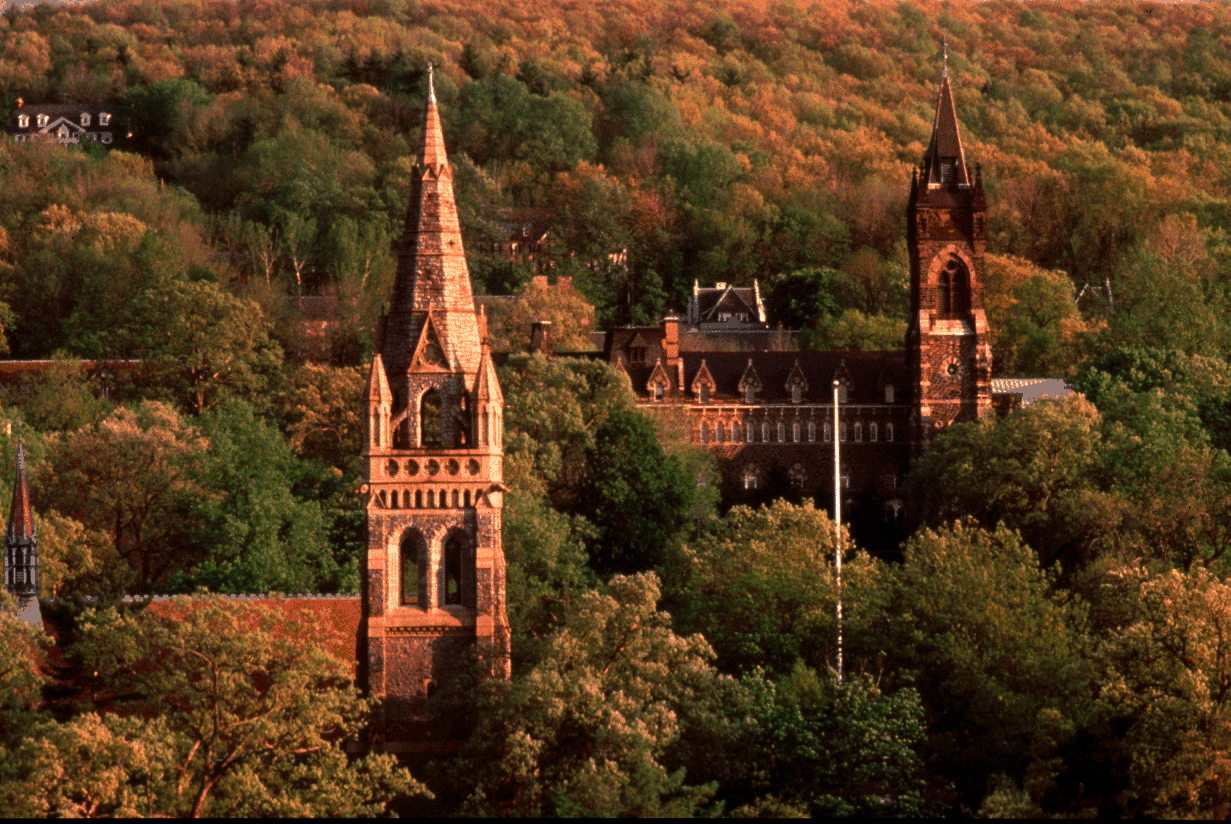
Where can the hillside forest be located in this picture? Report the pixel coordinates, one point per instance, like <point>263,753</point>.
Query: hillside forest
<point>1052,634</point>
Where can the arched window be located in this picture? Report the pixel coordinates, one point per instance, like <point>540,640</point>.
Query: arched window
<point>705,432</point>
<point>781,432</point>
<point>411,553</point>
<point>453,570</point>
<point>765,433</point>
<point>873,431</point>
<point>734,433</point>
<point>797,393</point>
<point>889,432</point>
<point>944,287</point>
<point>842,431</point>
<point>828,432</point>
<point>658,391</point>
<point>842,393</point>
<point>795,433</point>
<point>751,478</point>
<point>889,393</point>
<point>750,434</point>
<point>812,431</point>
<point>953,288</point>
<point>430,425</point>
<point>750,393</point>
<point>718,433</point>
<point>705,393</point>
<point>858,433</point>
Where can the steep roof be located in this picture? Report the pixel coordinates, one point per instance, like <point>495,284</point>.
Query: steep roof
<point>432,273</point>
<point>946,142</point>
<point>21,522</point>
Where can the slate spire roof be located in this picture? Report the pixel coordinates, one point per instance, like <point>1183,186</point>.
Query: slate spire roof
<point>432,275</point>
<point>945,148</point>
<point>21,522</point>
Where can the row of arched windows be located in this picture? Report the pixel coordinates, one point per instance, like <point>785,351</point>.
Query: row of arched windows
<point>415,567</point>
<point>431,425</point>
<point>783,433</point>
<point>428,498</point>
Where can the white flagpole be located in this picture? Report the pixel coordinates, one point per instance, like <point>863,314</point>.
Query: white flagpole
<point>837,517</point>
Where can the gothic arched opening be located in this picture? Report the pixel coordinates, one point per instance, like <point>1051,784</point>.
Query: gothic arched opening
<point>453,569</point>
<point>413,558</point>
<point>430,423</point>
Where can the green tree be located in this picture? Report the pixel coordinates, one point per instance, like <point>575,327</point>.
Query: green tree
<point>635,494</point>
<point>130,477</point>
<point>252,714</point>
<point>585,732</point>
<point>997,653</point>
<point>761,586</point>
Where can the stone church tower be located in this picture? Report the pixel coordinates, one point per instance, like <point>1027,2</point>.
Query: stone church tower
<point>947,341</point>
<point>435,575</point>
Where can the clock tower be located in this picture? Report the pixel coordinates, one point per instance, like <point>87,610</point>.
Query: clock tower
<point>947,340</point>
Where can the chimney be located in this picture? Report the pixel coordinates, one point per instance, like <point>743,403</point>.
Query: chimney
<point>671,338</point>
<point>540,337</point>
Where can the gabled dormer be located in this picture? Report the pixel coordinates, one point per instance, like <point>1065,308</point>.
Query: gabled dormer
<point>659,384</point>
<point>796,384</point>
<point>429,353</point>
<point>703,385</point>
<point>750,383</point>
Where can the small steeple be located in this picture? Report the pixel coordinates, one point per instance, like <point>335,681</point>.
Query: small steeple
<point>21,539</point>
<point>944,162</point>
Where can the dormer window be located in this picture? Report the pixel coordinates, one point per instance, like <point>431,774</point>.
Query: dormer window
<point>947,171</point>
<point>889,393</point>
<point>705,393</point>
<point>658,391</point>
<point>636,354</point>
<point>23,121</point>
<point>842,393</point>
<point>41,120</point>
<point>104,119</point>
<point>85,119</point>
<point>797,393</point>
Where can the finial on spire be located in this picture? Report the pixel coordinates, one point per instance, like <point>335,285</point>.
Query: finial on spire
<point>21,450</point>
<point>944,56</point>
<point>431,86</point>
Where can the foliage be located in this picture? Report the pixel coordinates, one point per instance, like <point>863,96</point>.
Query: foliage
<point>585,731</point>
<point>636,496</point>
<point>741,585</point>
<point>996,652</point>
<point>571,318</point>
<point>251,719</point>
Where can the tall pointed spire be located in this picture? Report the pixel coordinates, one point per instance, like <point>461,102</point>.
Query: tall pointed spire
<point>21,540</point>
<point>432,275</point>
<point>944,162</point>
<point>21,523</point>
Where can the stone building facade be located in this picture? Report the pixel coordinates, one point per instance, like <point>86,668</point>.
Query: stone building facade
<point>434,574</point>
<point>765,408</point>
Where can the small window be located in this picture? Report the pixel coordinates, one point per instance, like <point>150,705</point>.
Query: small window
<point>705,432</point>
<point>104,119</point>
<point>750,394</point>
<point>751,479</point>
<point>842,393</point>
<point>797,393</point>
<point>798,477</point>
<point>85,119</point>
<point>658,391</point>
<point>873,431</point>
<point>795,433</point>
<point>636,354</point>
<point>889,393</point>
<point>42,120</point>
<point>947,168</point>
<point>718,433</point>
<point>750,434</point>
<point>842,432</point>
<point>828,432</point>
<point>765,433</point>
<point>889,432</point>
<point>23,121</point>
<point>858,433</point>
<point>735,433</point>
<point>453,570</point>
<point>781,432</point>
<point>705,393</point>
<point>811,431</point>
